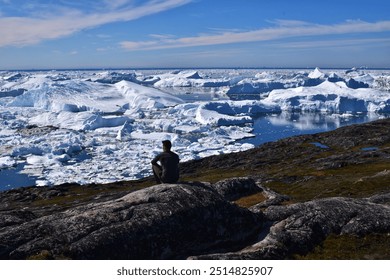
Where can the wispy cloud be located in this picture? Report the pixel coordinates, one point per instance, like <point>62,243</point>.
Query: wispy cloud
<point>284,29</point>
<point>22,31</point>
<point>114,4</point>
<point>335,43</point>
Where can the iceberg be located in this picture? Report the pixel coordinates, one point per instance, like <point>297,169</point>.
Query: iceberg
<point>330,97</point>
<point>139,96</point>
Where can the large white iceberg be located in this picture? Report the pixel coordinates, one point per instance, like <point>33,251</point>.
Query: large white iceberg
<point>330,97</point>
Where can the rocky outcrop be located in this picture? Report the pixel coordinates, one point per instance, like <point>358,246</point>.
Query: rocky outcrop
<point>234,188</point>
<point>160,222</point>
<point>193,220</point>
<point>298,228</point>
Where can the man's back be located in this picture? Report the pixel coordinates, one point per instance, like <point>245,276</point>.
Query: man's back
<point>170,166</point>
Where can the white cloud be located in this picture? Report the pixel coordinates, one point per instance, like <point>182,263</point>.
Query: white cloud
<point>114,4</point>
<point>335,43</point>
<point>22,31</point>
<point>285,29</point>
<point>285,22</point>
<point>162,36</point>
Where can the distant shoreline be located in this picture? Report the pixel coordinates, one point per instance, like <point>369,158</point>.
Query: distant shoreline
<point>190,68</point>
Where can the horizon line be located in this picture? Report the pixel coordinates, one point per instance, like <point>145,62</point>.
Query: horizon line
<point>189,68</point>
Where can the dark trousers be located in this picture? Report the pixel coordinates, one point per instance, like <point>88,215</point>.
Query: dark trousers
<point>157,172</point>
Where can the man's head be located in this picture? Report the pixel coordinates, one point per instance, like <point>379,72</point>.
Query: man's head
<point>167,145</point>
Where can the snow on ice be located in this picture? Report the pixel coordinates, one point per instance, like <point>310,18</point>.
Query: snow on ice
<point>98,127</point>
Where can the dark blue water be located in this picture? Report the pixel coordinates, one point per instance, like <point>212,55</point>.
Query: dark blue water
<point>12,178</point>
<point>272,127</point>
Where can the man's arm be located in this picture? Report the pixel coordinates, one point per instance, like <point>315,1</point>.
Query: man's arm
<point>155,160</point>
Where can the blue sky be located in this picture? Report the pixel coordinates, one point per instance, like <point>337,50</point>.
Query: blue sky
<point>54,34</point>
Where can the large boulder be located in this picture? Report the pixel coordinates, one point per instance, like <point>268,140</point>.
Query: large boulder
<point>160,222</point>
<point>298,228</point>
<point>235,188</point>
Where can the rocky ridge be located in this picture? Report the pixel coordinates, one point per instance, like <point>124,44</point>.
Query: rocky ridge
<point>302,195</point>
<point>160,222</point>
<point>298,228</point>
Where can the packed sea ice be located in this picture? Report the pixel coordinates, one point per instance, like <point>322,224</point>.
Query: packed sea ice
<point>105,126</point>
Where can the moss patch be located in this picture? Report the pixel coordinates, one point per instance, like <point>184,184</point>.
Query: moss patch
<point>214,175</point>
<point>355,181</point>
<point>347,247</point>
<point>251,200</point>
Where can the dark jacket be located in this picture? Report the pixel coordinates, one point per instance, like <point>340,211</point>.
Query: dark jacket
<point>170,166</point>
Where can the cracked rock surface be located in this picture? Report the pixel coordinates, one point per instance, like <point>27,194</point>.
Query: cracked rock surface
<point>194,220</point>
<point>160,222</point>
<point>298,228</point>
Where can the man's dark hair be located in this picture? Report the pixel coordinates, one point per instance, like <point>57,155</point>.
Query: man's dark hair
<point>167,144</point>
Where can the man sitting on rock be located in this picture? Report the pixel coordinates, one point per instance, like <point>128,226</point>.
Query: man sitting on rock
<point>168,171</point>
